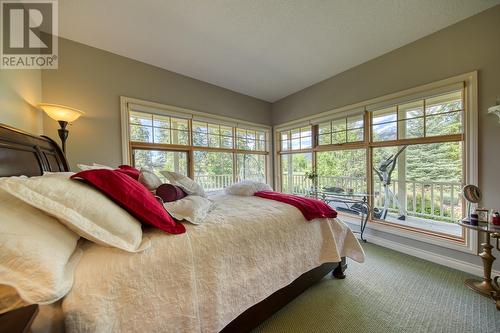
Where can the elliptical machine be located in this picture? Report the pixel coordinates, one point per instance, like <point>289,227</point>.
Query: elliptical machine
<point>384,173</point>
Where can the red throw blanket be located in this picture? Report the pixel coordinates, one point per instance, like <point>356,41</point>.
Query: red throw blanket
<point>310,208</point>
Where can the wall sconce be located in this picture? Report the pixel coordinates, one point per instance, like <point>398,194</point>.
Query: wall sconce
<point>495,109</point>
<point>63,115</point>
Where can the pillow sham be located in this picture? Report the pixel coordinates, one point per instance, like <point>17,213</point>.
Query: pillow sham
<point>192,208</point>
<point>129,171</point>
<point>94,166</point>
<point>169,192</point>
<point>38,255</point>
<point>80,207</point>
<point>247,188</point>
<point>133,197</point>
<point>149,179</point>
<point>187,184</point>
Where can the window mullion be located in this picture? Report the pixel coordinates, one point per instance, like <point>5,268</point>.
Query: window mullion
<point>425,118</point>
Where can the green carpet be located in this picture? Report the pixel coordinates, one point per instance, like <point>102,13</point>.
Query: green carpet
<point>390,292</point>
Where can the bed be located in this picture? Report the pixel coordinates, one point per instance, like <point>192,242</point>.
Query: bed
<point>229,274</point>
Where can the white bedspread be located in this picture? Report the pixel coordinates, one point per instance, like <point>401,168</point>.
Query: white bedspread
<point>200,281</point>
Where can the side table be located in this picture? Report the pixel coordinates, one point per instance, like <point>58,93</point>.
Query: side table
<point>487,286</point>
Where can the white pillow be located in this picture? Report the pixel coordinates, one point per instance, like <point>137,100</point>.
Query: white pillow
<point>38,254</point>
<point>187,184</point>
<point>80,207</point>
<point>247,188</point>
<point>149,179</point>
<point>192,208</point>
<point>94,166</point>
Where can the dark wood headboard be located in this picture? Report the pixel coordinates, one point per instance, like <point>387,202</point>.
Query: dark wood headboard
<point>25,154</point>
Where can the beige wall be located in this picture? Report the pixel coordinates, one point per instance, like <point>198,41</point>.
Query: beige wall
<point>472,44</point>
<point>93,80</point>
<point>20,91</point>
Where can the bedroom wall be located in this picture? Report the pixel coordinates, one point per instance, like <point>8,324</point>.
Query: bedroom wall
<point>20,91</point>
<point>92,80</point>
<point>472,44</point>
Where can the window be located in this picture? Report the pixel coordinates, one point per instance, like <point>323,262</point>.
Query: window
<point>423,134</point>
<point>342,170</point>
<point>159,160</point>
<point>251,167</point>
<point>293,170</point>
<point>154,128</point>
<point>339,131</point>
<point>212,135</point>
<point>214,152</point>
<point>434,116</point>
<point>213,170</point>
<point>426,183</point>
<point>251,140</point>
<point>296,139</point>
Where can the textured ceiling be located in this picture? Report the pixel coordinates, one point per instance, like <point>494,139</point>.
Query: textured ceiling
<point>263,48</point>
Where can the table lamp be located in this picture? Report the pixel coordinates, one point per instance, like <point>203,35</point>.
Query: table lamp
<point>63,115</point>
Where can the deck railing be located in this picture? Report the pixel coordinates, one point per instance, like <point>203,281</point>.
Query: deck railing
<point>439,201</point>
<point>218,182</point>
<point>214,182</point>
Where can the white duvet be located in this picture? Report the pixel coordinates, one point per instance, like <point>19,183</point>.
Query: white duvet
<point>199,281</point>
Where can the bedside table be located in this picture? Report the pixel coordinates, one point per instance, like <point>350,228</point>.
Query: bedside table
<point>487,286</point>
<point>18,320</point>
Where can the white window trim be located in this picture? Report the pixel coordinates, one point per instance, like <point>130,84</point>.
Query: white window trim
<point>471,150</point>
<point>175,111</point>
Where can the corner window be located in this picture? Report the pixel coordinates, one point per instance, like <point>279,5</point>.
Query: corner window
<point>407,158</point>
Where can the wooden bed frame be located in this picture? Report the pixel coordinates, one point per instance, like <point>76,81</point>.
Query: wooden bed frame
<point>25,154</point>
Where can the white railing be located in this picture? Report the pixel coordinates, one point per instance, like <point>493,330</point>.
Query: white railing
<point>214,182</point>
<point>219,182</point>
<point>439,201</point>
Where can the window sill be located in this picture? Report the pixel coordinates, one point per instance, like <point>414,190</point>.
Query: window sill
<point>467,242</point>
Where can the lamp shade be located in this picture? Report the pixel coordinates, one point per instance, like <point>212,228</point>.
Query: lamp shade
<point>61,112</point>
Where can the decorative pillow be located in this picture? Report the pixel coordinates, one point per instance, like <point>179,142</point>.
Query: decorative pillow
<point>129,171</point>
<point>169,192</point>
<point>247,188</point>
<point>38,254</point>
<point>192,208</point>
<point>149,179</point>
<point>133,197</point>
<point>94,166</point>
<point>80,207</point>
<point>187,184</point>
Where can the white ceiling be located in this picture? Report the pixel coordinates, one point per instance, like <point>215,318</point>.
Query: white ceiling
<point>263,48</point>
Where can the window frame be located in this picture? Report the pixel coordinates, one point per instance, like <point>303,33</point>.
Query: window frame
<point>128,104</point>
<point>468,242</point>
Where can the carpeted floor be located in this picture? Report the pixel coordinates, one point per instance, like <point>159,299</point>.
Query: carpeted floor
<point>390,292</point>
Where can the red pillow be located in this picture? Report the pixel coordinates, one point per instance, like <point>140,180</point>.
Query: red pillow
<point>129,171</point>
<point>133,197</point>
<point>169,192</point>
